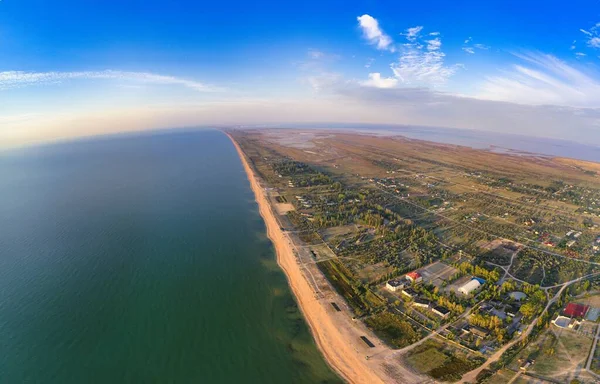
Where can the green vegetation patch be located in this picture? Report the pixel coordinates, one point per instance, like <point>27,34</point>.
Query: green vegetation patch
<point>427,360</point>
<point>441,361</point>
<point>346,285</point>
<point>392,329</point>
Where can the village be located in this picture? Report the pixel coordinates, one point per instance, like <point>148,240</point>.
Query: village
<point>477,273</point>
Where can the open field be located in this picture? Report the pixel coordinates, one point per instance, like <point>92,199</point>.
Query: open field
<point>558,354</point>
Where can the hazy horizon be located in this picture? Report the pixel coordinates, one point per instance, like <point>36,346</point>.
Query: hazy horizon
<point>84,69</point>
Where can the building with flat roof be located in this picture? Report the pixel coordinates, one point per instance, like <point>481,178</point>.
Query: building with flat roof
<point>421,303</point>
<point>395,285</point>
<point>440,311</point>
<point>409,292</point>
<point>479,332</point>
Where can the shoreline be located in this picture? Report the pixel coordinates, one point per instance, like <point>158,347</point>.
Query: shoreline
<point>338,351</point>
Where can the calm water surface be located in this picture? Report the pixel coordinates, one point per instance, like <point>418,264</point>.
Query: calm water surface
<point>142,260</point>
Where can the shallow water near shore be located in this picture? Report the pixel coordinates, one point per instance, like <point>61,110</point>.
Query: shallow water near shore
<point>142,259</point>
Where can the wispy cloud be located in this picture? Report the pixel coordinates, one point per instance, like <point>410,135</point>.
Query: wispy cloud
<point>543,79</point>
<point>374,34</point>
<point>421,61</point>
<point>592,35</point>
<point>18,79</point>
<point>425,106</point>
<point>413,33</point>
<point>315,54</point>
<point>471,48</point>
<point>324,80</point>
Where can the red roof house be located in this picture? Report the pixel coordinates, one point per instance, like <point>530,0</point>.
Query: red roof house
<point>576,310</point>
<point>414,276</point>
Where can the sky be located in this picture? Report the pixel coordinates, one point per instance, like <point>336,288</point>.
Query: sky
<point>79,68</point>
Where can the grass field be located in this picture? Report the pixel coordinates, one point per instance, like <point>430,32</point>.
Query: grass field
<point>427,360</point>
<point>558,354</point>
<point>440,361</point>
<point>503,376</point>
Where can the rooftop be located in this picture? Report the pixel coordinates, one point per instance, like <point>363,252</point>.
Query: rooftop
<point>396,283</point>
<point>576,310</point>
<point>442,310</point>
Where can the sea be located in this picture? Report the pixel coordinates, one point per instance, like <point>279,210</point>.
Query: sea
<point>142,259</point>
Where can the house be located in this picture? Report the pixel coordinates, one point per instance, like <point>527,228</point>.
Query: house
<point>575,310</point>
<point>522,328</point>
<point>517,296</point>
<point>482,333</point>
<point>414,277</point>
<point>422,303</point>
<point>409,292</point>
<point>512,310</point>
<point>441,311</point>
<point>470,286</point>
<point>526,365</point>
<point>395,285</point>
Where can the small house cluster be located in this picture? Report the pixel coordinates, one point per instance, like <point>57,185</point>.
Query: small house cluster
<point>404,285</point>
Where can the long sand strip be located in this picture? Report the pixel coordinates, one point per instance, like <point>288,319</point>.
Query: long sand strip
<point>335,347</point>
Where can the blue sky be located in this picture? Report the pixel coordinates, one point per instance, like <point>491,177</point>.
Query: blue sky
<point>77,68</point>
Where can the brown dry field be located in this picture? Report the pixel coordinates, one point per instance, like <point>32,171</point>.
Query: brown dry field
<point>350,151</point>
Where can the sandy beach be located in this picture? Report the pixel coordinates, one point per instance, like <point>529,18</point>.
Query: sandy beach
<point>337,335</point>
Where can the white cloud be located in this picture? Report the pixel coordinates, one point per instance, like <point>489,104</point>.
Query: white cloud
<point>374,34</point>
<point>422,63</point>
<point>435,44</point>
<point>369,62</point>
<point>543,80</point>
<point>470,48</point>
<point>17,79</point>
<point>413,33</point>
<point>593,36</point>
<point>375,80</point>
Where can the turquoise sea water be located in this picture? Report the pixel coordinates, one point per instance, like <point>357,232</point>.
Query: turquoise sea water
<point>142,259</point>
